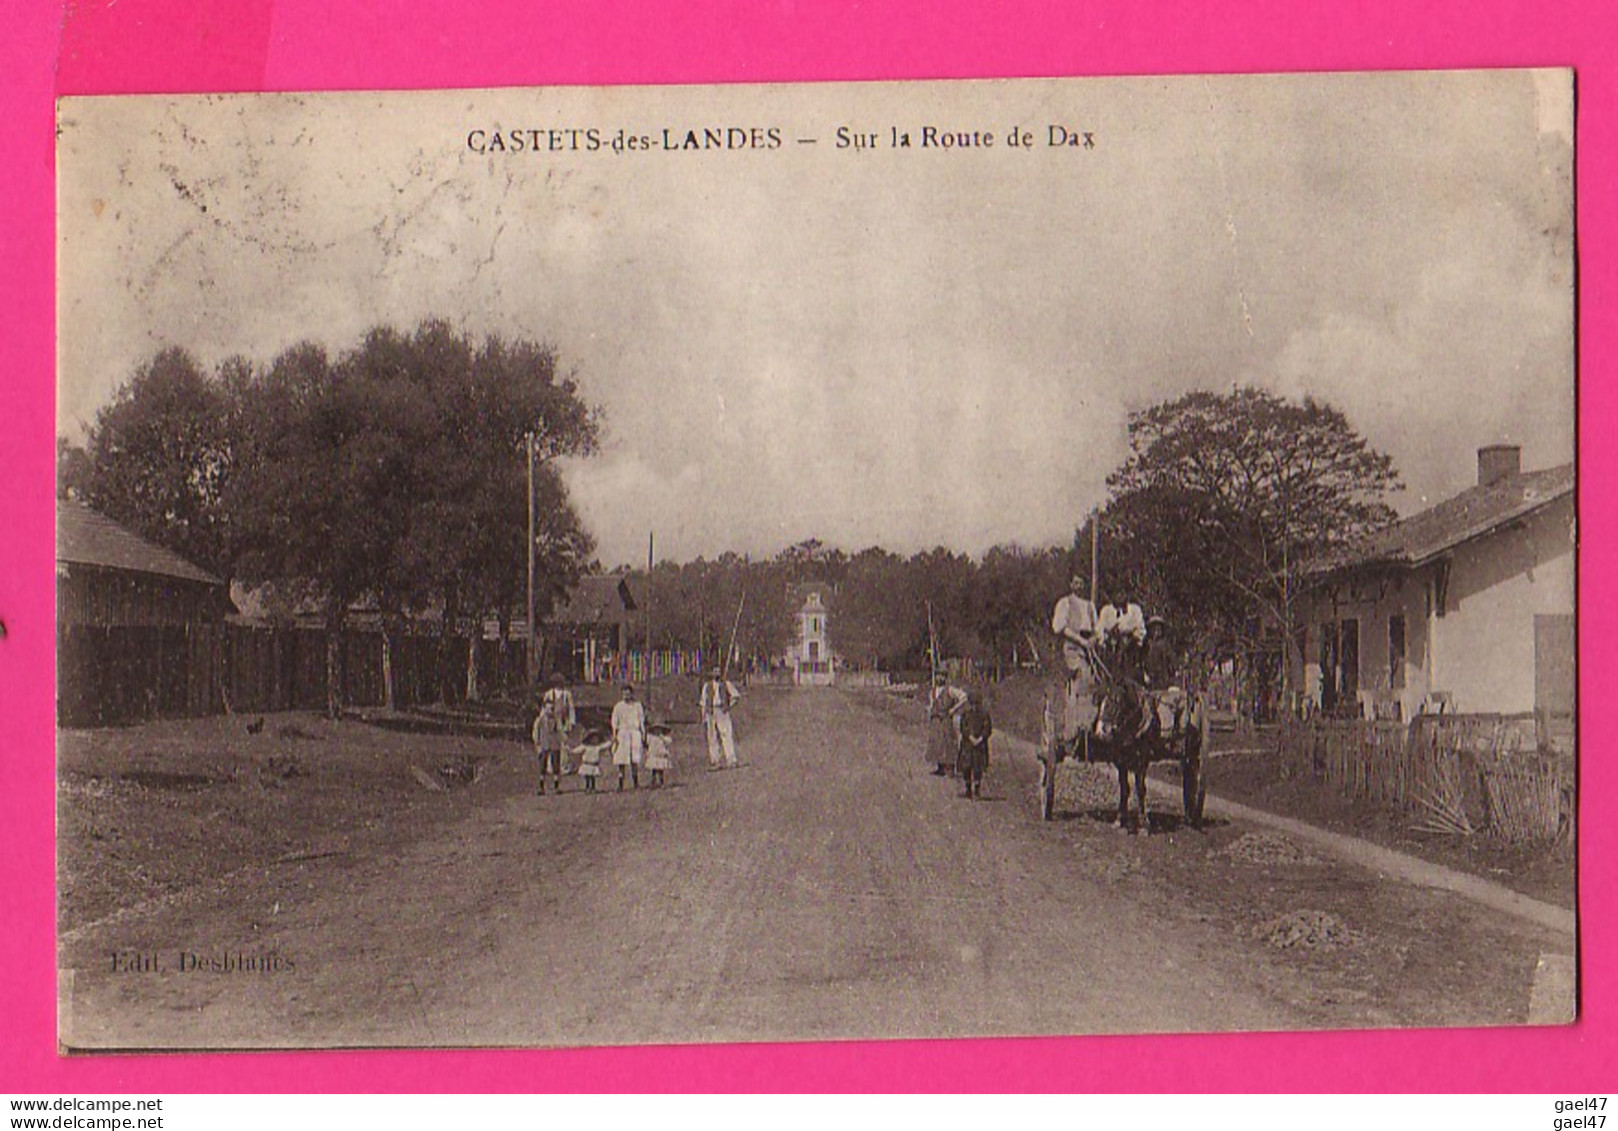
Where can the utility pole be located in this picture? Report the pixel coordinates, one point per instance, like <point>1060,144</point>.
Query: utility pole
<point>651,674</point>
<point>529,673</point>
<point>1095,556</point>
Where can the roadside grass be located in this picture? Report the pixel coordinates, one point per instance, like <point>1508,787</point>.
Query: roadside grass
<point>150,812</point>
<point>1256,772</point>
<point>147,812</point>
<point>1247,766</point>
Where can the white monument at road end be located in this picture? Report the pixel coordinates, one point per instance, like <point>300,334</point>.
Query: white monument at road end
<point>810,657</point>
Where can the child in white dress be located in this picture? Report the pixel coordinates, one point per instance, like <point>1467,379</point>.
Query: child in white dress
<point>589,752</point>
<point>658,741</point>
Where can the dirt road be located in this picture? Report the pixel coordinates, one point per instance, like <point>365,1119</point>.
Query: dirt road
<point>831,888</point>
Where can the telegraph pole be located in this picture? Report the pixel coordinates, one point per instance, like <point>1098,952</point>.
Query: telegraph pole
<point>651,542</point>
<point>529,662</point>
<point>1095,556</point>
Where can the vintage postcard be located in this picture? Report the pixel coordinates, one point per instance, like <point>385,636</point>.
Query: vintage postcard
<point>576,567</point>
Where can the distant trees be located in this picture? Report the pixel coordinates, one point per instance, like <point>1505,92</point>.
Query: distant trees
<point>990,610</point>
<point>395,471</point>
<point>1222,500</point>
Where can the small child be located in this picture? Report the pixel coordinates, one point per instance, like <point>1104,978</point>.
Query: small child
<point>657,752</point>
<point>548,745</point>
<point>589,754</point>
<point>976,727</point>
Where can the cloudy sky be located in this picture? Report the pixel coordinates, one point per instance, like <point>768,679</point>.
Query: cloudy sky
<point>904,347</point>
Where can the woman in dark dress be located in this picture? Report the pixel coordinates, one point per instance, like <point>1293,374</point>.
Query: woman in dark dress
<point>944,708</point>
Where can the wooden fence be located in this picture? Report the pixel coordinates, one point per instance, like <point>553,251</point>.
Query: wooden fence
<point>110,676</point>
<point>1460,774</point>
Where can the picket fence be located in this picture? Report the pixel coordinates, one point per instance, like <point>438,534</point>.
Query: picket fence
<point>1457,774</point>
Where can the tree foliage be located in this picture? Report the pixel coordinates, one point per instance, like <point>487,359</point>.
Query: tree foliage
<point>988,610</point>
<point>394,472</point>
<point>159,456</point>
<point>1224,497</point>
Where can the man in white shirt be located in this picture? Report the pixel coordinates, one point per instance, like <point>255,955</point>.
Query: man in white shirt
<point>1074,623</point>
<point>1122,621</point>
<point>1122,633</point>
<point>719,695</point>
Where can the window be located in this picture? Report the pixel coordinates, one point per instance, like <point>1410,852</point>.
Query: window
<point>1328,667</point>
<point>1340,666</point>
<point>1396,652</point>
<point>1349,654</point>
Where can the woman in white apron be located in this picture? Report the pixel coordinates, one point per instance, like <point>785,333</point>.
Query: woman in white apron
<point>628,736</point>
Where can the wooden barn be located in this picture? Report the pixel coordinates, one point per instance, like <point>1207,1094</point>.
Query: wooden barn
<point>591,629</point>
<point>137,627</point>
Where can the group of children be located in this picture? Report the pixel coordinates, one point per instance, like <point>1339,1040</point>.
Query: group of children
<point>958,735</point>
<point>630,744</point>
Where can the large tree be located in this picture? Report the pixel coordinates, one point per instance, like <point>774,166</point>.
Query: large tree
<point>1224,497</point>
<point>398,472</point>
<point>159,458</point>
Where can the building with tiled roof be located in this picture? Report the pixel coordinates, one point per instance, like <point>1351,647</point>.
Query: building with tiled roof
<point>591,626</point>
<point>1465,606</point>
<point>85,537</point>
<point>136,625</point>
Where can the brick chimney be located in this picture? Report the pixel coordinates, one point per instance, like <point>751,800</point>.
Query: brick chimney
<point>1497,462</point>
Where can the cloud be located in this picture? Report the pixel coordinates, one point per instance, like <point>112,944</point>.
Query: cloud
<point>903,349</point>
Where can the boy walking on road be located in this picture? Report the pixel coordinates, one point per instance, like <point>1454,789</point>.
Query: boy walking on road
<point>976,727</point>
<point>548,745</point>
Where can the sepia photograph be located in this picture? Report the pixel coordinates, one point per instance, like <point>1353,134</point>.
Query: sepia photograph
<point>599,566</point>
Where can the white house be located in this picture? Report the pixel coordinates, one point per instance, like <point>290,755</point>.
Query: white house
<point>1467,606</point>
<point>810,656</point>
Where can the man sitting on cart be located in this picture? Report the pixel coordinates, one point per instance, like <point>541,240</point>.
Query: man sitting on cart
<point>1074,623</point>
<point>1121,629</point>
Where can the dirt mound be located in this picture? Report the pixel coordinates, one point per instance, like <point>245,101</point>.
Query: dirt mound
<point>1267,849</point>
<point>1086,785</point>
<point>1306,930</point>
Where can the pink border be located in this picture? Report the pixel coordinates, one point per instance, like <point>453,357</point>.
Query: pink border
<point>174,45</point>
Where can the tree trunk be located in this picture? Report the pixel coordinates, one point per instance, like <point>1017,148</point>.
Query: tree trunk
<point>446,668</point>
<point>474,641</point>
<point>502,667</point>
<point>336,611</point>
<point>388,700</point>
